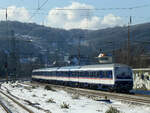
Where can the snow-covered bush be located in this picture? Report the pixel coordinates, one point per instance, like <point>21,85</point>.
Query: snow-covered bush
<point>65,105</point>
<point>33,87</point>
<point>51,100</point>
<point>75,96</point>
<point>48,87</point>
<point>33,95</point>
<point>44,95</point>
<point>112,110</point>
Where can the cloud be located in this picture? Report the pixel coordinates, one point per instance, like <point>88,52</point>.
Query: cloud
<point>78,15</point>
<point>14,13</point>
<point>111,20</point>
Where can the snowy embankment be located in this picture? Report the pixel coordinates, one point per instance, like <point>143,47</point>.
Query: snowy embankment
<point>59,101</point>
<point>142,79</point>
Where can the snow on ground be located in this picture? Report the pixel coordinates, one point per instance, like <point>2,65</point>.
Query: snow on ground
<point>43,98</point>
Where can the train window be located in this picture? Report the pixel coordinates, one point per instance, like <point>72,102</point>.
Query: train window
<point>123,73</point>
<point>106,74</point>
<point>40,73</point>
<point>99,74</point>
<point>109,74</point>
<point>75,74</point>
<point>53,73</point>
<point>66,73</point>
<point>57,73</point>
<point>43,73</point>
<point>103,74</point>
<point>49,74</point>
<point>90,74</point>
<point>61,73</point>
<point>94,74</point>
<point>33,73</point>
<point>70,73</point>
<point>86,74</point>
<point>80,73</point>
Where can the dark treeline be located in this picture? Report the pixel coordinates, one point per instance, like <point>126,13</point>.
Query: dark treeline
<point>40,45</point>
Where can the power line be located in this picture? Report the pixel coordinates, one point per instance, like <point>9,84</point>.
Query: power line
<point>123,8</point>
<point>38,9</point>
<point>112,8</point>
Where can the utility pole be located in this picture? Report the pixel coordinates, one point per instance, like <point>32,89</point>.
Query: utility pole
<point>38,5</point>
<point>14,57</point>
<point>128,43</point>
<point>79,44</point>
<point>6,64</point>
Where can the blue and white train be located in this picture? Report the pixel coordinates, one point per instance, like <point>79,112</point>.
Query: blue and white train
<point>112,77</point>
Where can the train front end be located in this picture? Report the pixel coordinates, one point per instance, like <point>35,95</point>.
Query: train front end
<point>123,76</point>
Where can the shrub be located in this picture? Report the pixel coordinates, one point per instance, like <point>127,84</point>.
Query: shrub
<point>112,110</point>
<point>50,100</point>
<point>65,105</point>
<point>44,95</point>
<point>48,87</point>
<point>33,87</point>
<point>27,88</point>
<point>75,96</point>
<point>47,111</point>
<point>34,95</point>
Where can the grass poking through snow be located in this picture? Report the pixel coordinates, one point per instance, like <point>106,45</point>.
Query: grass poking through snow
<point>112,110</point>
<point>64,105</point>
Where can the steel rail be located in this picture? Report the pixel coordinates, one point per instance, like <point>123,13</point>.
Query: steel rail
<point>19,104</point>
<point>137,99</point>
<point>4,107</point>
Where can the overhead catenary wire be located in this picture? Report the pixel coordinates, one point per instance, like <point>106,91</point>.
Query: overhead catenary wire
<point>111,8</point>
<point>40,11</point>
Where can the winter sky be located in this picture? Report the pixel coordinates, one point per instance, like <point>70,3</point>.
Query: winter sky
<point>84,14</point>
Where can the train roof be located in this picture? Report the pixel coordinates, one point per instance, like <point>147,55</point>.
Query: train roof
<point>85,67</point>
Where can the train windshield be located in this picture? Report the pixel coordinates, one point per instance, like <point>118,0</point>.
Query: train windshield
<point>123,73</point>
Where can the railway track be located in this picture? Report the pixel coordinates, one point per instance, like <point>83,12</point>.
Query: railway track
<point>14,102</point>
<point>96,94</point>
<point>4,108</point>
